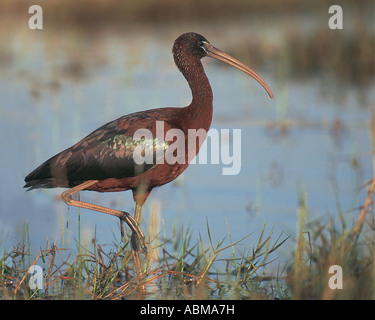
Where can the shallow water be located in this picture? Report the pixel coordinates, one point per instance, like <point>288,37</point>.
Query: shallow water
<point>59,88</point>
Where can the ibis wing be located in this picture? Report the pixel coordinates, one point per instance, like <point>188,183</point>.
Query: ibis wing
<point>108,152</point>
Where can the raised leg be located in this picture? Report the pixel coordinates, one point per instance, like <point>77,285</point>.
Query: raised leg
<point>122,215</point>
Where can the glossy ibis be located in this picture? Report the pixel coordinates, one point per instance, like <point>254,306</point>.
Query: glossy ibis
<point>104,160</point>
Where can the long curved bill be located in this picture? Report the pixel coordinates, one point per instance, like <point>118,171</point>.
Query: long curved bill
<point>220,55</point>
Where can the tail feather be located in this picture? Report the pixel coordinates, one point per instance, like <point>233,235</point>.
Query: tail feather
<point>41,183</point>
<point>49,174</point>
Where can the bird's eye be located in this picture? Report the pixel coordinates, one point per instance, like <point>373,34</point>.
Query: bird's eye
<point>201,43</point>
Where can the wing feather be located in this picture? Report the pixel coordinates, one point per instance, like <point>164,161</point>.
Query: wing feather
<point>105,153</point>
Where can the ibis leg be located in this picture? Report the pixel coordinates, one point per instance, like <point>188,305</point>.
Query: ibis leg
<point>134,241</point>
<point>122,215</point>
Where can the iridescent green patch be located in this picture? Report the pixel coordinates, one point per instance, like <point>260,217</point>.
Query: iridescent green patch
<point>125,145</point>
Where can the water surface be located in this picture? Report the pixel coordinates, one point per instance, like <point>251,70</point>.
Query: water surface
<point>59,88</point>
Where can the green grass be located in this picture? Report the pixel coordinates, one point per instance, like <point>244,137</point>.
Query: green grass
<point>184,268</point>
<point>187,270</point>
<point>321,246</point>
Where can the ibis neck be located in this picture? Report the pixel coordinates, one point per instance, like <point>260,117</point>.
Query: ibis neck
<point>200,108</point>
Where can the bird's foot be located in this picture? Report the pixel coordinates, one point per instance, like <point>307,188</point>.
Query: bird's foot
<point>137,240</point>
<point>138,244</point>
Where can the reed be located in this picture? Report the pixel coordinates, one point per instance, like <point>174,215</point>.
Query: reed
<point>321,246</point>
<point>107,272</point>
<point>183,268</point>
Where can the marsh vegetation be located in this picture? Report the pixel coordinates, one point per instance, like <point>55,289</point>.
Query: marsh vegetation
<point>302,202</point>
